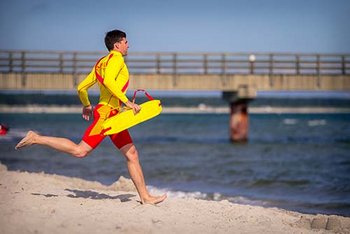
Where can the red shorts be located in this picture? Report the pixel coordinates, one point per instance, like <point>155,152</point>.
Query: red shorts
<point>94,133</point>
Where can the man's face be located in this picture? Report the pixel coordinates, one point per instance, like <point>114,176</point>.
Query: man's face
<point>122,46</point>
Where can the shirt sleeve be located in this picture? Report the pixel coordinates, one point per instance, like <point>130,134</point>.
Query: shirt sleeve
<point>111,80</point>
<point>89,81</point>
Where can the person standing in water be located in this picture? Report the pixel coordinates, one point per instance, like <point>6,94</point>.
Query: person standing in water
<point>112,76</point>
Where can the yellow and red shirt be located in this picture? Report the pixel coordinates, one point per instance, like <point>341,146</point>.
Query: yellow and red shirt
<point>112,76</point>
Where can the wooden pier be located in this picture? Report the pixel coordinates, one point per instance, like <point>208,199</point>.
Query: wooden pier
<point>238,75</point>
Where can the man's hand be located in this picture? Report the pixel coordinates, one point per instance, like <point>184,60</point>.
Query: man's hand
<point>87,112</point>
<point>136,108</point>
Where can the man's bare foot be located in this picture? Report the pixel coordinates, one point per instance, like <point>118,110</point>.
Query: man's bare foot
<point>28,140</point>
<point>154,200</point>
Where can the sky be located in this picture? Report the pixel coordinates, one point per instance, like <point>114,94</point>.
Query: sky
<point>296,26</point>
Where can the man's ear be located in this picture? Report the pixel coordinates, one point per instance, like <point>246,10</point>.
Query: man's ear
<point>116,46</point>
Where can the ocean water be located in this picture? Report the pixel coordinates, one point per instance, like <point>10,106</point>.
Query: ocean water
<point>299,162</point>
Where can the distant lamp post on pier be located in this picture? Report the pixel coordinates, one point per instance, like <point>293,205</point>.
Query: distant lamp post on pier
<point>252,59</point>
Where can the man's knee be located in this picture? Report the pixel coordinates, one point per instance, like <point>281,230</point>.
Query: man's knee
<point>131,153</point>
<point>80,153</point>
<point>82,150</point>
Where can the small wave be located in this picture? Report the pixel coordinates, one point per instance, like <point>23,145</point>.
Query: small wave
<point>290,121</point>
<point>247,201</point>
<point>321,139</point>
<point>265,182</point>
<point>179,139</point>
<point>208,196</point>
<point>178,194</point>
<point>317,122</point>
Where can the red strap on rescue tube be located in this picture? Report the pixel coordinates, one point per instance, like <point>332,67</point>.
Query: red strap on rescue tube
<point>142,90</point>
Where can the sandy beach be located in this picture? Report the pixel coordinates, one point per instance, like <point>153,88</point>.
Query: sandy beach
<point>43,203</point>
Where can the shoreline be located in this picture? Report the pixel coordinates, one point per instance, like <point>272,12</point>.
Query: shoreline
<point>74,205</point>
<point>200,109</point>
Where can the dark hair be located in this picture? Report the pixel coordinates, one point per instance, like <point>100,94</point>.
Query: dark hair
<point>112,37</point>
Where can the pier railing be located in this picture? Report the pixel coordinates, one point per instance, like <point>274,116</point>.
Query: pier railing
<point>179,63</point>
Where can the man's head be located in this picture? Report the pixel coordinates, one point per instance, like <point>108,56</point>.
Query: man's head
<point>116,40</point>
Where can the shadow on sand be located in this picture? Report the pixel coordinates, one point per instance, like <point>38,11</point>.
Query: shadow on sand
<point>90,195</point>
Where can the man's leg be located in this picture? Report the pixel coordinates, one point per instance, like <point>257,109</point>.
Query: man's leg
<point>61,144</point>
<point>136,175</point>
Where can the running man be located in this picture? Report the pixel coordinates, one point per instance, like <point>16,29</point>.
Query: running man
<point>112,76</point>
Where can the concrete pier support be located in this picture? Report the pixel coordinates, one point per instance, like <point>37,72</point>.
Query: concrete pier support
<point>239,118</point>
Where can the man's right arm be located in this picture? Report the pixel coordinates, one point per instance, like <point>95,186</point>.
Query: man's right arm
<point>115,84</point>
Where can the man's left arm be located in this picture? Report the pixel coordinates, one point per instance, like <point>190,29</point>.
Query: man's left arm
<point>82,89</point>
